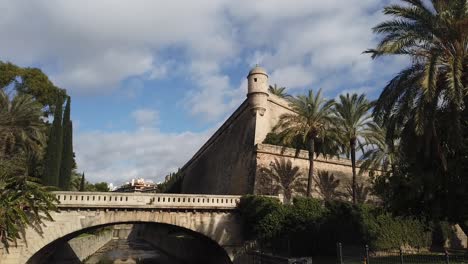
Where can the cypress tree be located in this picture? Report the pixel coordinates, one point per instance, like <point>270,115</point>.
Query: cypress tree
<point>82,183</point>
<point>67,149</point>
<point>53,155</point>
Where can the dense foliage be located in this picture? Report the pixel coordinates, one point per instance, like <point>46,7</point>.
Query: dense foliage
<point>53,156</point>
<point>79,183</point>
<point>416,143</point>
<point>311,118</point>
<point>424,109</point>
<point>353,127</point>
<point>33,95</point>
<point>173,183</point>
<point>24,202</point>
<point>30,149</point>
<point>309,226</point>
<point>278,91</point>
<point>281,176</point>
<point>67,162</point>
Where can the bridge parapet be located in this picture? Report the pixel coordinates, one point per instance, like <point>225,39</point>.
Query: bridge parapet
<point>113,200</point>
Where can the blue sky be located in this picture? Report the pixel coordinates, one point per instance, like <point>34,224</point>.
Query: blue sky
<point>151,80</point>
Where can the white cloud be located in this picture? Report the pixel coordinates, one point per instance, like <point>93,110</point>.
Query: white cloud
<point>294,76</point>
<point>91,46</point>
<point>119,156</point>
<point>145,118</point>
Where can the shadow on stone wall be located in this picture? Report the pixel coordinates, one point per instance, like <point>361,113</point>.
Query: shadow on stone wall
<point>183,245</point>
<point>58,252</point>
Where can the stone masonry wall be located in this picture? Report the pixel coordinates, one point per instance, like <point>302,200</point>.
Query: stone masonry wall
<point>83,246</point>
<point>341,168</point>
<point>225,164</point>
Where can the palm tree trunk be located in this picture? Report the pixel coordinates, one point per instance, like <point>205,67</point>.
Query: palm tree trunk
<point>353,165</point>
<point>311,166</point>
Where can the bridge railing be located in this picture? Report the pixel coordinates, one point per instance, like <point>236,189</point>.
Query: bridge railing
<point>145,200</point>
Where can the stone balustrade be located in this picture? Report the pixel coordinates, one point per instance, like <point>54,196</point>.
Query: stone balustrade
<point>111,200</point>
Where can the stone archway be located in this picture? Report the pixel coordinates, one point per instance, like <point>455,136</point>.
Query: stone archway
<point>221,227</point>
<point>174,242</point>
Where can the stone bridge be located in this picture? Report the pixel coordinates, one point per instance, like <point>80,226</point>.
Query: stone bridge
<point>212,216</point>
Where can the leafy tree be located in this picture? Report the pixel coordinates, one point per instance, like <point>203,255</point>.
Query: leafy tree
<point>426,104</point>
<point>327,185</point>
<point>278,91</point>
<point>381,155</point>
<point>173,183</point>
<point>67,161</point>
<point>353,127</point>
<point>82,183</point>
<point>31,81</point>
<point>53,155</point>
<point>21,127</point>
<point>360,192</point>
<point>434,37</point>
<point>23,201</point>
<point>282,176</point>
<point>9,73</point>
<point>310,120</point>
<point>261,216</point>
<point>101,187</point>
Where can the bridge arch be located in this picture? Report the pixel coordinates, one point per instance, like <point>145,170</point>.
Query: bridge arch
<point>211,216</point>
<point>199,248</point>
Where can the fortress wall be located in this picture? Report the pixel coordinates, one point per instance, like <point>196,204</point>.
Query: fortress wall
<point>341,168</point>
<point>275,108</point>
<point>229,162</point>
<point>225,164</point>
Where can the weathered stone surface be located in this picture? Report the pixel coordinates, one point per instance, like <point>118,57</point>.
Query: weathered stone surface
<point>185,247</point>
<point>211,216</point>
<point>224,165</point>
<point>80,248</point>
<point>229,161</point>
<point>341,168</point>
<point>457,238</point>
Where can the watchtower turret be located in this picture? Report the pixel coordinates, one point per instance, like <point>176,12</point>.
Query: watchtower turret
<point>257,90</point>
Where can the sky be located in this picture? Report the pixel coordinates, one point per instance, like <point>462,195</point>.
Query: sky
<point>151,80</point>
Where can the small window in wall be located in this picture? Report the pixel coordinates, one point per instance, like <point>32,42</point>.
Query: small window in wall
<point>255,79</point>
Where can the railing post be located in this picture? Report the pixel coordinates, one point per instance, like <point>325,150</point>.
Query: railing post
<point>401,256</point>
<point>447,259</point>
<point>367,255</point>
<point>339,252</point>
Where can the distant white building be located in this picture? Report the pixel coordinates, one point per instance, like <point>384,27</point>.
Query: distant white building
<point>136,185</point>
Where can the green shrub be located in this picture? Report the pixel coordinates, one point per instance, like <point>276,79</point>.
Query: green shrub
<point>304,214</point>
<point>387,232</point>
<point>261,216</point>
<point>309,226</point>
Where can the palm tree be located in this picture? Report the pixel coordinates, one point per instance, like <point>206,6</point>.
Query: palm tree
<point>282,176</point>
<point>311,118</point>
<point>21,126</point>
<point>327,185</point>
<point>360,192</point>
<point>278,91</point>
<point>381,155</point>
<point>435,37</point>
<point>23,201</point>
<point>353,127</point>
